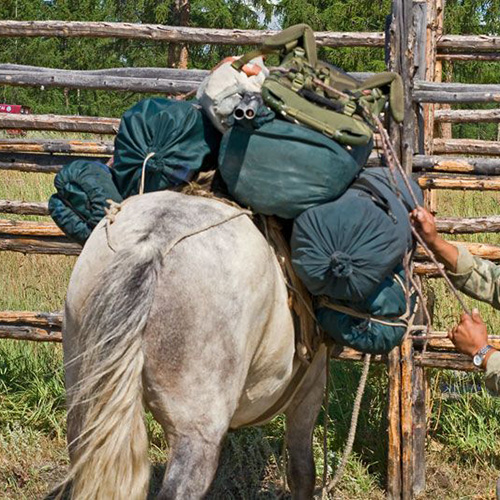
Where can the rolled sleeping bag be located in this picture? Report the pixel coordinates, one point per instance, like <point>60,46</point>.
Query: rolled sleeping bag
<point>283,168</point>
<point>384,331</point>
<point>83,188</point>
<point>173,138</point>
<point>344,249</point>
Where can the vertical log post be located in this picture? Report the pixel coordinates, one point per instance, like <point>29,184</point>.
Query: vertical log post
<point>406,57</point>
<point>443,129</point>
<point>425,59</point>
<point>394,369</point>
<point>394,418</point>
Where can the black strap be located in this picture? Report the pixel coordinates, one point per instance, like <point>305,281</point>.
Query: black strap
<point>318,99</point>
<point>363,184</point>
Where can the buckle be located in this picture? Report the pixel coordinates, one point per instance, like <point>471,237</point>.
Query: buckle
<point>349,108</point>
<point>298,82</point>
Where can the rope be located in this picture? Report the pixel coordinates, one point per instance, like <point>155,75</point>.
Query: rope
<point>326,418</point>
<point>143,173</point>
<point>352,431</point>
<point>324,302</point>
<point>394,163</point>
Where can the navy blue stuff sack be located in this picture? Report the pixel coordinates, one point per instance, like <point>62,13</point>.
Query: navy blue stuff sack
<point>368,335</point>
<point>344,249</point>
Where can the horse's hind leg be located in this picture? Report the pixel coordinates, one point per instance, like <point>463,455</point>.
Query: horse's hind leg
<point>191,467</point>
<point>301,417</point>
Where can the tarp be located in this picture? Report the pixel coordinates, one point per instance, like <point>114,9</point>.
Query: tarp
<point>181,138</point>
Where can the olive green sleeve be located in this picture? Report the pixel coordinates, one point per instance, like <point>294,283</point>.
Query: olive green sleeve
<point>492,377</point>
<point>477,277</point>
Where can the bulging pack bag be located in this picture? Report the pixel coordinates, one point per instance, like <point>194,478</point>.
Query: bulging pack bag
<point>282,168</point>
<point>83,190</point>
<point>173,139</point>
<point>221,91</point>
<point>346,248</point>
<point>306,90</point>
<point>380,322</point>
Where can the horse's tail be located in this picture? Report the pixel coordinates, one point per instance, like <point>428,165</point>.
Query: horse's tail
<point>110,453</point>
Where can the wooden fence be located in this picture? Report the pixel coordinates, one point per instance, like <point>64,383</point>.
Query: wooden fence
<point>416,49</point>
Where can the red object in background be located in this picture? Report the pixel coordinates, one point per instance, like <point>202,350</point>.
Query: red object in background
<point>15,109</point>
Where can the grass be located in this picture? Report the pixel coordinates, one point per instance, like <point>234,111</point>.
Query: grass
<point>464,422</point>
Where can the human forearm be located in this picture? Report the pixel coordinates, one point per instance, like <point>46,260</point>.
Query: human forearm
<point>445,252</point>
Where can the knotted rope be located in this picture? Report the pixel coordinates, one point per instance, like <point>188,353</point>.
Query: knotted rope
<point>143,173</point>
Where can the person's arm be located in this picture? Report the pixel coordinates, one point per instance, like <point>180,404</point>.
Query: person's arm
<point>469,337</point>
<point>476,277</point>
<point>445,252</point>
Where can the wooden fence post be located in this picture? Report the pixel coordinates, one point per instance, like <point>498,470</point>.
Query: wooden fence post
<point>407,57</point>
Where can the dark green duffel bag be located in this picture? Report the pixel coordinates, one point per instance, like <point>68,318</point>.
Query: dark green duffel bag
<point>173,138</point>
<point>83,188</point>
<point>283,169</point>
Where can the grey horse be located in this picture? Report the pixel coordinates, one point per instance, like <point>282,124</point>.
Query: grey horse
<point>178,303</point>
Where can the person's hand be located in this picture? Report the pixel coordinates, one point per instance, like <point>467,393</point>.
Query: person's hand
<point>425,224</point>
<point>470,335</point>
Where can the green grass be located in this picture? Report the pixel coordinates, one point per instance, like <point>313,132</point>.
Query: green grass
<point>463,446</point>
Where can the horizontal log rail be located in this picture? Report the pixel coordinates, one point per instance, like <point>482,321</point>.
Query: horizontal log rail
<point>446,360</point>
<point>53,319</point>
<point>458,165</point>
<point>461,43</point>
<point>29,228</point>
<point>485,56</point>
<point>468,43</point>
<point>39,245</point>
<point>483,250</point>
<point>465,225</point>
<point>193,75</point>
<point>177,34</point>
<point>466,146</point>
<point>453,93</point>
<point>60,123</point>
<point>121,79</point>
<point>41,163</point>
<point>439,341</point>
<point>56,146</point>
<point>448,225</point>
<point>24,207</point>
<point>430,181</point>
<point>43,326</point>
<point>466,115</point>
<point>35,326</point>
<point>25,332</point>
<point>80,80</point>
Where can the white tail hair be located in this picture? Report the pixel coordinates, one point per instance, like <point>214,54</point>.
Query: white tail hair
<point>110,459</point>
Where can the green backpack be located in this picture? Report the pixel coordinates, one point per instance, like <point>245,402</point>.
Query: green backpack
<point>325,98</point>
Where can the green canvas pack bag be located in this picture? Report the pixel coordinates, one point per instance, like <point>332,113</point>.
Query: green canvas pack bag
<point>325,98</point>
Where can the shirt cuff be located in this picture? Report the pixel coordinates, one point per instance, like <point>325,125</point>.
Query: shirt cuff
<point>465,266</point>
<point>493,365</point>
<point>492,377</point>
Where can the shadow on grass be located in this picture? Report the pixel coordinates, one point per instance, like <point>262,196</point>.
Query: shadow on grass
<point>248,468</point>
